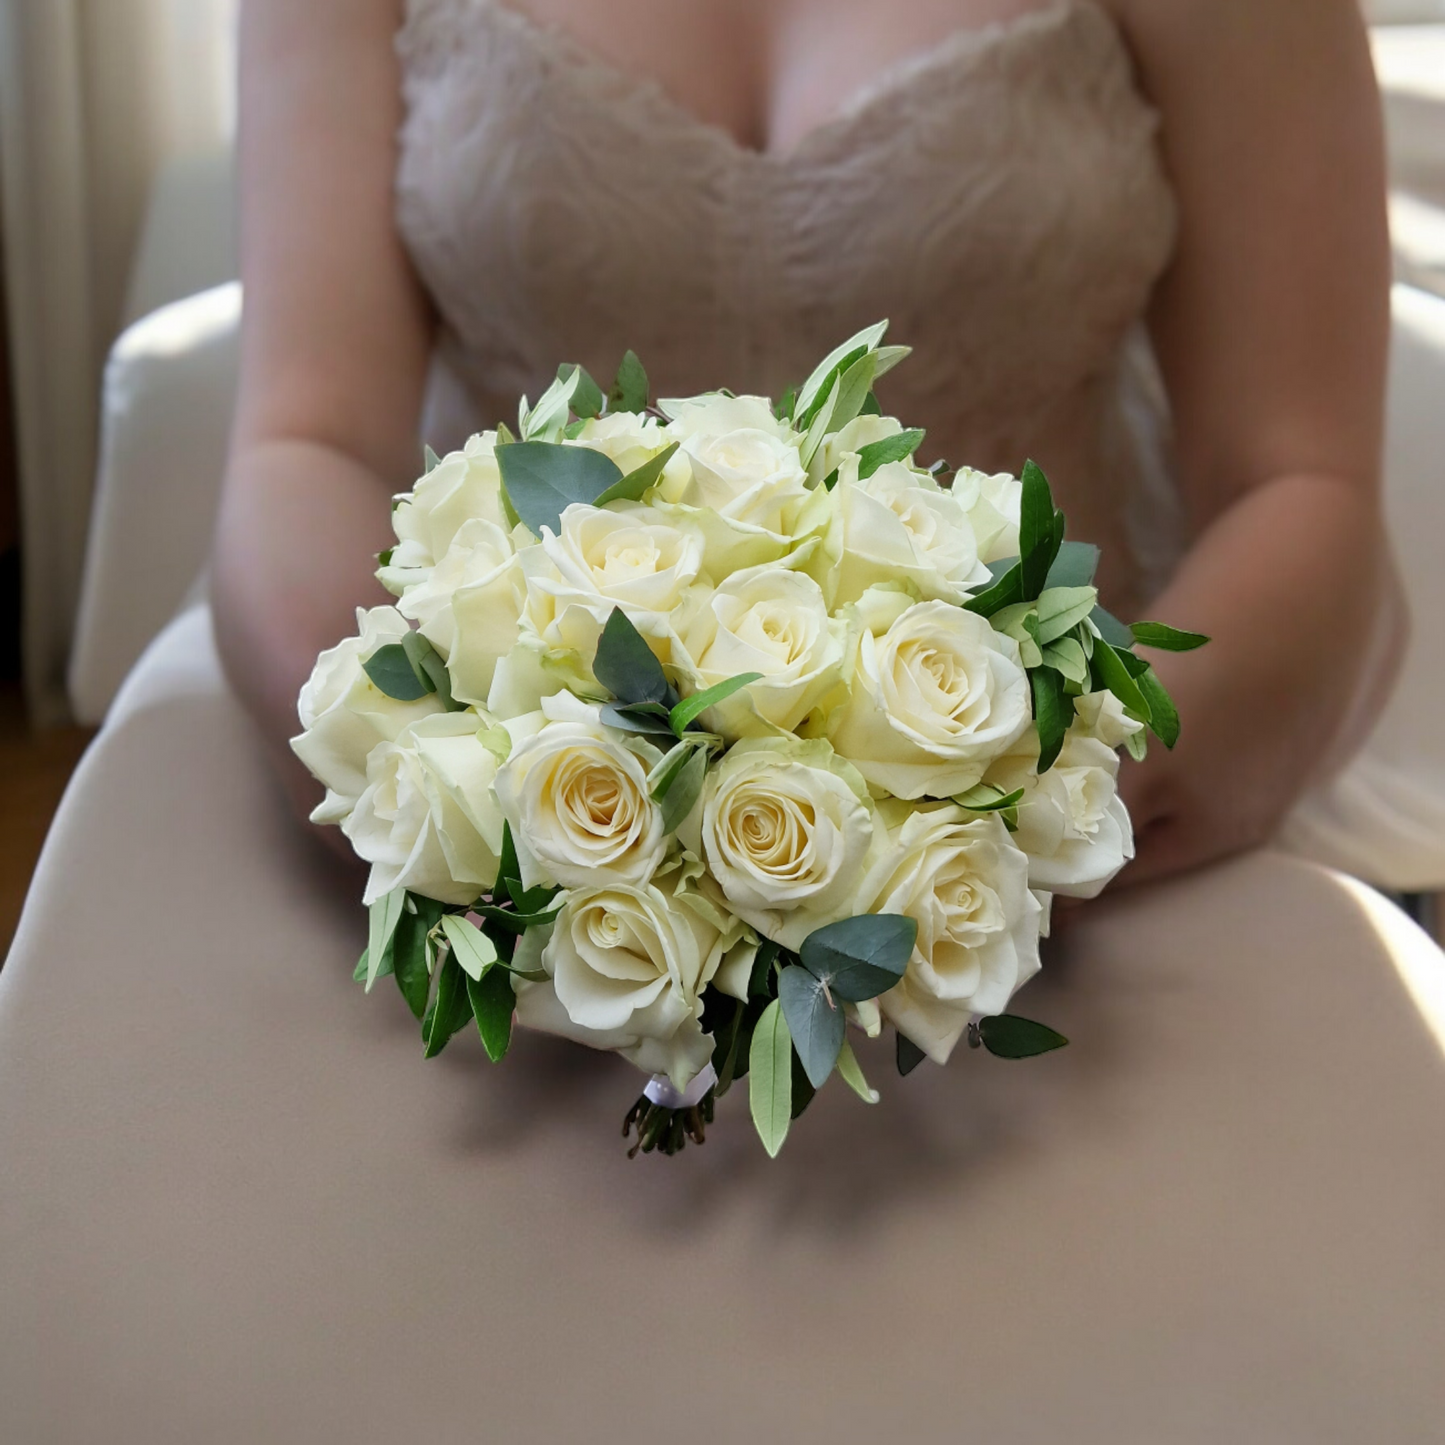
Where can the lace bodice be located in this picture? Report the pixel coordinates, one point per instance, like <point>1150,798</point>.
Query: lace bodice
<point>999,197</point>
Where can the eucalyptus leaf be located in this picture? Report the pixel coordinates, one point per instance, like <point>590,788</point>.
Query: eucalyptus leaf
<point>1009,1037</point>
<point>908,1055</point>
<point>628,668</point>
<point>1109,669</point>
<point>815,1020</point>
<point>586,395</point>
<point>860,957</point>
<point>391,669</point>
<point>684,791</point>
<point>1061,609</point>
<point>1074,566</point>
<point>1166,639</point>
<point>1053,711</point>
<point>629,389</point>
<point>1163,715</point>
<point>691,708</point>
<point>852,1074</point>
<point>543,479</point>
<point>471,948</point>
<point>1111,629</point>
<point>770,1088</point>
<point>382,918</point>
<point>493,1003</point>
<point>642,720</point>
<point>632,487</point>
<point>896,448</point>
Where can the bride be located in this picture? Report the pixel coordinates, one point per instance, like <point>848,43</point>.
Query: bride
<point>1141,240</point>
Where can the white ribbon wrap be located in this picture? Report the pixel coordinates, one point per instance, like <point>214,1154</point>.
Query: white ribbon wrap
<point>659,1090</point>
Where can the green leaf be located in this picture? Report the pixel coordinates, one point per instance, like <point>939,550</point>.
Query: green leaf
<point>985,798</point>
<point>1061,609</point>
<point>759,981</point>
<point>861,957</point>
<point>449,1010</point>
<point>1137,745</point>
<point>543,479</point>
<point>854,386</point>
<point>429,460</point>
<point>1163,715</point>
<point>784,408</point>
<point>831,480</point>
<point>382,918</point>
<point>648,719</point>
<point>629,389</point>
<point>770,1091</point>
<point>1009,1037</point>
<point>1039,536</point>
<point>471,948</point>
<point>391,669</point>
<point>815,1020</point>
<point>852,1074</point>
<point>1067,656</point>
<point>636,482</point>
<point>363,964</point>
<point>691,708</point>
<point>803,1089</point>
<point>908,1054</point>
<point>1111,629</point>
<point>871,405</point>
<point>896,448</point>
<point>426,660</point>
<point>1053,710</point>
<point>684,791</point>
<point>586,395</point>
<point>509,870</point>
<point>1166,639</point>
<point>835,361</point>
<point>493,1004</point>
<point>409,950</point>
<point>819,424</point>
<point>1109,668</point>
<point>627,667</point>
<point>1007,591</point>
<point>514,920</point>
<point>1074,566</point>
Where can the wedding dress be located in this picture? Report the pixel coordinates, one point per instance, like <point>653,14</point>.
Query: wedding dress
<point>236,1205</point>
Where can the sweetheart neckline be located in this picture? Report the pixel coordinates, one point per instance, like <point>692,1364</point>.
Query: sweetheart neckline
<point>968,43</point>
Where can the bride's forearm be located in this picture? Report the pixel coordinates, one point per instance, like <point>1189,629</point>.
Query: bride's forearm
<point>299,527</point>
<point>1290,582</point>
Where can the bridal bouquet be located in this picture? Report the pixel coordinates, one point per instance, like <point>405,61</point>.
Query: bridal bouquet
<point>703,730</point>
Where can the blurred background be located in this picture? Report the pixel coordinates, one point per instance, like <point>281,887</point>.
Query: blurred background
<point>117,120</point>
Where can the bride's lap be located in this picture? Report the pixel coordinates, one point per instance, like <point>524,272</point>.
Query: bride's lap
<point>235,1203</point>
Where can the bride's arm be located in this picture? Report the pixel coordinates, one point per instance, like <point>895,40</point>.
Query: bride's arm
<point>334,349</point>
<point>1272,329</point>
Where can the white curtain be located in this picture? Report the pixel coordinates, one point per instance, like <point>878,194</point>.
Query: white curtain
<point>95,95</point>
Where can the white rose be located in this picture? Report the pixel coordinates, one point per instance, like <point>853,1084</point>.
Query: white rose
<point>992,504</point>
<point>775,622</point>
<point>344,715</point>
<point>899,525</point>
<point>428,819</point>
<point>845,443</point>
<point>461,486</point>
<point>469,606</point>
<point>714,413</point>
<point>626,438</point>
<point>788,830</point>
<point>626,970</point>
<point>934,700</point>
<point>967,885</point>
<point>624,556</point>
<point>1072,822</point>
<point>1101,715</point>
<point>579,804</point>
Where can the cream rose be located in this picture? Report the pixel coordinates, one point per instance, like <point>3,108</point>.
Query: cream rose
<point>1101,715</point>
<point>992,504</point>
<point>967,886</point>
<point>626,968</point>
<point>900,526</point>
<point>935,698</point>
<point>775,622</point>
<point>344,715</point>
<point>627,439</point>
<point>841,448</point>
<point>788,830</point>
<point>577,798</point>
<point>428,819</point>
<point>463,485</point>
<point>1072,823</point>
<point>469,606</point>
<point>715,413</point>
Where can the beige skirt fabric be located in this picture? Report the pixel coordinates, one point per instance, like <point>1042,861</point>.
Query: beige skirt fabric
<point>236,1205</point>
